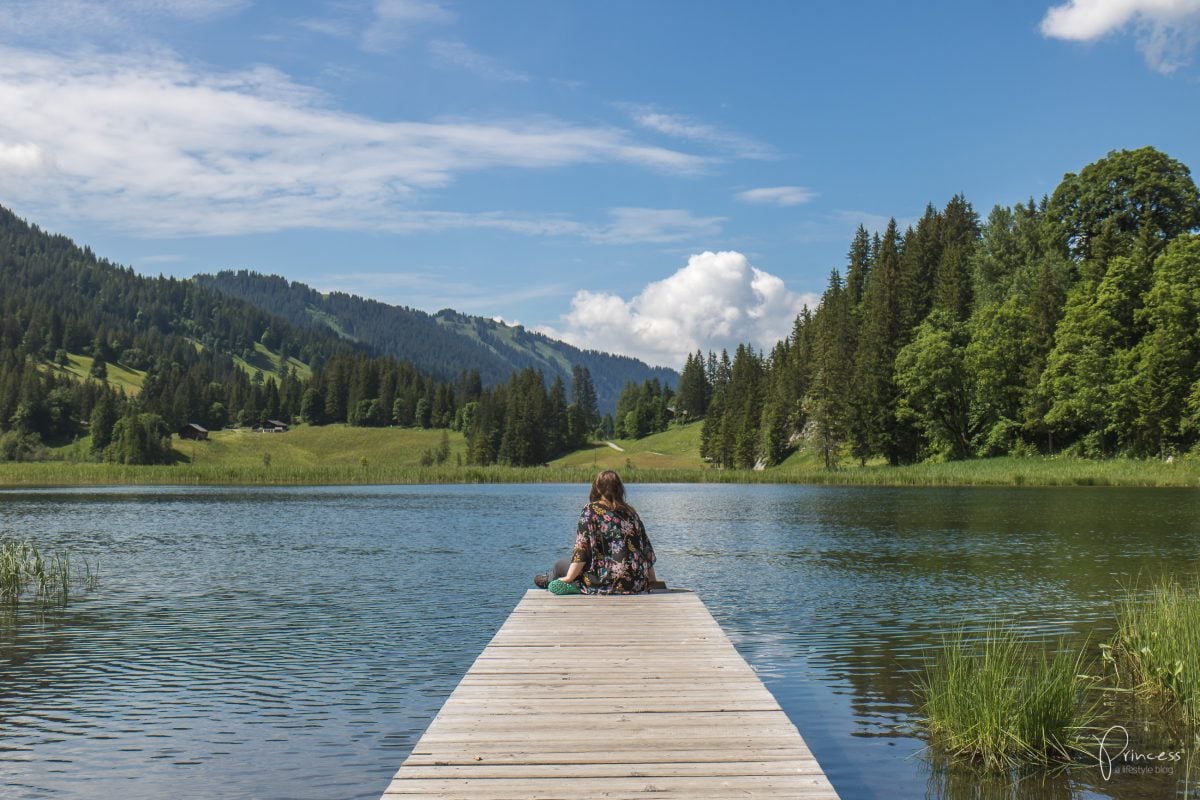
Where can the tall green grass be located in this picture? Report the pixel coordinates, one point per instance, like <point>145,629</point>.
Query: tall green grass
<point>1156,648</point>
<point>995,699</point>
<point>27,574</point>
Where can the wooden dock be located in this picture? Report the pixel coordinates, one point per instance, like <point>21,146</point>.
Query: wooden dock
<point>610,697</point>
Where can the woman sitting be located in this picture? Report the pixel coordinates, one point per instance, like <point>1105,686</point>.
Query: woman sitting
<point>612,553</point>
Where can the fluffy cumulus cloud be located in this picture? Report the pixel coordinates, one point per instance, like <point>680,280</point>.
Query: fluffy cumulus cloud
<point>1167,30</point>
<point>153,145</point>
<point>777,195</point>
<point>717,300</point>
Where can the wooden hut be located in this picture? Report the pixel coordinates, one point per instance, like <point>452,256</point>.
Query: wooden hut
<point>193,431</point>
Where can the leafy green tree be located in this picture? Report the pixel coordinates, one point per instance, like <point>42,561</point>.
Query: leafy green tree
<point>140,438</point>
<point>423,417</point>
<point>935,384</point>
<point>1126,196</point>
<point>1164,363</point>
<point>1078,379</point>
<point>1003,367</point>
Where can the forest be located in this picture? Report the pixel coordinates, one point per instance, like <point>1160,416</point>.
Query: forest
<point>441,345</point>
<point>1066,325</point>
<point>195,351</point>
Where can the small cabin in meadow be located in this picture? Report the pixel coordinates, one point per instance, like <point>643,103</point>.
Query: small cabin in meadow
<point>193,431</point>
<point>274,426</point>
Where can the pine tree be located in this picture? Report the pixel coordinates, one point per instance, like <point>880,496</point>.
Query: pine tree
<point>953,282</point>
<point>828,397</point>
<point>873,425</point>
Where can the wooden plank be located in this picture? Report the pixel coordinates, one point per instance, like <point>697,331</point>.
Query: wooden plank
<point>618,696</point>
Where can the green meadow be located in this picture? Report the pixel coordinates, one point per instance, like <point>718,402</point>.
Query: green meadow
<point>341,454</point>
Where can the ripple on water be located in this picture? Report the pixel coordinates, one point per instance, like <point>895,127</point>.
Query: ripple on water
<point>294,643</point>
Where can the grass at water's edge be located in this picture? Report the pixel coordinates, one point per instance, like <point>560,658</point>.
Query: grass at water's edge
<point>1156,649</point>
<point>993,472</point>
<point>997,700</point>
<point>341,454</point>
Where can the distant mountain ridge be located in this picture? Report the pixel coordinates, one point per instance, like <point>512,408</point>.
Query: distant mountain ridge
<point>440,344</point>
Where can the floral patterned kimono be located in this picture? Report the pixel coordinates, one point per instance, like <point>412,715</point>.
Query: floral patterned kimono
<point>615,551</point>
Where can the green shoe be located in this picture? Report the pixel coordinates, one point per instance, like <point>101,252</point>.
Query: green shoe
<point>562,587</point>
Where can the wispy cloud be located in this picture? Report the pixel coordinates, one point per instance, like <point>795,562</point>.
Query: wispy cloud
<point>683,127</point>
<point>459,56</point>
<point>432,291</point>
<point>395,21</point>
<point>1167,31</point>
<point>153,145</point>
<point>654,226</point>
<point>65,22</point>
<point>777,195</point>
<point>337,28</point>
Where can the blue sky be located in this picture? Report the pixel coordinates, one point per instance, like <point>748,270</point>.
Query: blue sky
<point>642,177</point>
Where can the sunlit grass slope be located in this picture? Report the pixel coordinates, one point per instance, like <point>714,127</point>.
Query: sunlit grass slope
<point>676,448</point>
<point>306,447</point>
<point>267,362</point>
<point>79,367</point>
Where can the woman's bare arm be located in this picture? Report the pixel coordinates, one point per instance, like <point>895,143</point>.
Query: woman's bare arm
<point>573,572</point>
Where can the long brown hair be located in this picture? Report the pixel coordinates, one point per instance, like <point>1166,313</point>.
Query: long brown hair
<point>608,490</point>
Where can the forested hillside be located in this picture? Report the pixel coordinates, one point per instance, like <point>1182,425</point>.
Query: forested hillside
<point>440,344</point>
<point>91,349</point>
<point>1070,324</point>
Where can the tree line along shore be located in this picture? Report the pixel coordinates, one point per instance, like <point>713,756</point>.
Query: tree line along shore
<point>1054,331</point>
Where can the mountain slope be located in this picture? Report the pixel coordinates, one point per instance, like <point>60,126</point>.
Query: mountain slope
<point>441,344</point>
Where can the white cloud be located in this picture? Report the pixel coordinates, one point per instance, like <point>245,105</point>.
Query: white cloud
<point>683,127</point>
<point>717,300</point>
<point>23,157</point>
<point>653,225</point>
<point>152,145</point>
<point>1167,30</point>
<point>457,54</point>
<point>395,21</point>
<point>777,195</point>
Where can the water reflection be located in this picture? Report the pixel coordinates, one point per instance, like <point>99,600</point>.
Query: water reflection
<point>295,642</point>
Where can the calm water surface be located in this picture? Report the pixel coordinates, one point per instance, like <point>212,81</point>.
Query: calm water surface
<point>294,643</point>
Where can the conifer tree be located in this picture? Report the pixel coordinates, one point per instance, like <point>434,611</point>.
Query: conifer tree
<point>873,425</point>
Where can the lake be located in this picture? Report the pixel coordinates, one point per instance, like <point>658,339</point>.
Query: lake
<point>295,642</point>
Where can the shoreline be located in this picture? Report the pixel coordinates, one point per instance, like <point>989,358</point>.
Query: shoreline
<point>1005,471</point>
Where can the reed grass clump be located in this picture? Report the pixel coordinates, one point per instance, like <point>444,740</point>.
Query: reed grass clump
<point>1156,648</point>
<point>27,574</point>
<point>998,700</point>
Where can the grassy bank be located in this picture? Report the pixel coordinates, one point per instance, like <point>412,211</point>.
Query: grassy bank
<point>339,454</point>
